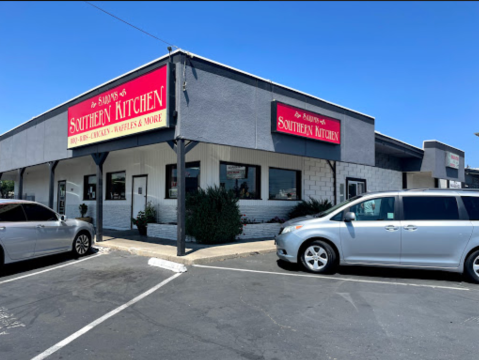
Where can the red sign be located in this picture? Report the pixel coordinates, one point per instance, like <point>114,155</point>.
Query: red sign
<point>295,121</point>
<point>136,106</point>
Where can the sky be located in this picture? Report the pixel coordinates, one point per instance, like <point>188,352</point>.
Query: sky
<point>414,66</point>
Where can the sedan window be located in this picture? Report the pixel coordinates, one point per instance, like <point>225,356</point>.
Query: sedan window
<point>11,213</point>
<point>39,213</point>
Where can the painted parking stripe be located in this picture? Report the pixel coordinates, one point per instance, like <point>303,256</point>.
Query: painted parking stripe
<point>49,269</point>
<point>334,278</point>
<point>97,322</point>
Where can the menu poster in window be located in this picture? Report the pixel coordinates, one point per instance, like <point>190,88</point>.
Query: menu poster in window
<point>236,172</point>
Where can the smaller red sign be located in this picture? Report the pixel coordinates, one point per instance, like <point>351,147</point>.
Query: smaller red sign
<point>295,121</point>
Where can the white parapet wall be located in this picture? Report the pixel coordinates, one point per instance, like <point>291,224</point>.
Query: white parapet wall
<point>250,231</point>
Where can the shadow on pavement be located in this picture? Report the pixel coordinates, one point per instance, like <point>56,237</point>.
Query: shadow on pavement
<point>380,272</point>
<point>39,263</point>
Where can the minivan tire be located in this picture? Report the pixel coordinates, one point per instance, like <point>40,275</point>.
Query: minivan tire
<point>318,257</point>
<point>469,266</point>
<point>81,244</point>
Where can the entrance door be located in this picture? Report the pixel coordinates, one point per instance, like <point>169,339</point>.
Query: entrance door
<point>139,195</point>
<point>355,187</point>
<point>62,197</point>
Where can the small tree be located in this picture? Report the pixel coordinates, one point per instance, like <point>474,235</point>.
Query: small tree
<point>213,216</point>
<point>6,186</point>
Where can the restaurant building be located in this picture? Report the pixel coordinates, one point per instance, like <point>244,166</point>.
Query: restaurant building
<point>183,122</point>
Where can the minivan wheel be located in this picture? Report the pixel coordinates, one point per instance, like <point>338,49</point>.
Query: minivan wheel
<point>318,257</point>
<point>81,244</point>
<point>471,266</point>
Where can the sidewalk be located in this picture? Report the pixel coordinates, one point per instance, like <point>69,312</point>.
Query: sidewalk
<point>195,253</point>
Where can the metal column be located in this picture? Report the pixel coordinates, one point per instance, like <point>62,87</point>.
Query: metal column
<point>51,165</point>
<point>181,198</point>
<point>99,159</point>
<point>20,183</point>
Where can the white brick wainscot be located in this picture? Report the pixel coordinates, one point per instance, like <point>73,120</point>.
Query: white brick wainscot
<point>250,231</point>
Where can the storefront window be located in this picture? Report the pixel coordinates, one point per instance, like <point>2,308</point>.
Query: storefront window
<point>284,184</point>
<point>89,187</point>
<point>244,180</point>
<point>115,186</point>
<point>192,179</point>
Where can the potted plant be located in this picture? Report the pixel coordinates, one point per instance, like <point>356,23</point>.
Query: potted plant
<point>141,222</point>
<point>83,210</point>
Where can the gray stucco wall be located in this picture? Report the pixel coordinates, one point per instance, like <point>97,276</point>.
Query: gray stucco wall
<point>435,161</point>
<point>37,144</point>
<point>219,109</point>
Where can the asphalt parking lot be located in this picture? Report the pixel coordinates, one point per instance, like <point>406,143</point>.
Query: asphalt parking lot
<point>116,306</point>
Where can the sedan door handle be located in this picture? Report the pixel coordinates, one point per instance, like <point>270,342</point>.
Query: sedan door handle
<point>40,226</point>
<point>2,227</point>
<point>410,228</point>
<point>391,228</point>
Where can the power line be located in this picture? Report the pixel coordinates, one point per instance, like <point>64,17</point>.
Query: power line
<point>133,26</point>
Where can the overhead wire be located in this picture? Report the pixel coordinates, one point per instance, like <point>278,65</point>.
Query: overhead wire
<point>133,26</point>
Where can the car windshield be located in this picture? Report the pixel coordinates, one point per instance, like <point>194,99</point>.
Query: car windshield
<point>336,207</point>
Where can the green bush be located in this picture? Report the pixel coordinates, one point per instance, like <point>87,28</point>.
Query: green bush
<point>213,216</point>
<point>309,207</point>
<point>150,213</point>
<point>83,209</point>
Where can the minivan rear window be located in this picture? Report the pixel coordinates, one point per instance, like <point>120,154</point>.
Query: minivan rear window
<point>430,208</point>
<point>11,213</point>
<point>472,206</point>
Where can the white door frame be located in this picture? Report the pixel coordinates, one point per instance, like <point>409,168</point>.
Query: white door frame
<point>133,194</point>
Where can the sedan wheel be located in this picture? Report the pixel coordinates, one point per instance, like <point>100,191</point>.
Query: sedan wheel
<point>471,266</point>
<point>81,245</point>
<point>318,257</point>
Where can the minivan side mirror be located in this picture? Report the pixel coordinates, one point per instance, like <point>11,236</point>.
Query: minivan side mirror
<point>63,217</point>
<point>350,216</point>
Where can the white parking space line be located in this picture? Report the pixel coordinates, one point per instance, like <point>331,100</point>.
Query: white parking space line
<point>49,269</point>
<point>335,278</point>
<point>97,322</point>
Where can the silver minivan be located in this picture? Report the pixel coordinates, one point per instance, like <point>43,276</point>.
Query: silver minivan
<point>30,230</point>
<point>421,229</point>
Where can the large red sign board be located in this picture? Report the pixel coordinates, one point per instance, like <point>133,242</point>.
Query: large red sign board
<point>291,120</point>
<point>136,106</point>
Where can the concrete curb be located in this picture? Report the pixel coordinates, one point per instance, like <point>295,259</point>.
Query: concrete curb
<point>189,259</point>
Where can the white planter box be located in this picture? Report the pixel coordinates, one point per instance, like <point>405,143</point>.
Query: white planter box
<point>250,231</point>
<point>256,231</point>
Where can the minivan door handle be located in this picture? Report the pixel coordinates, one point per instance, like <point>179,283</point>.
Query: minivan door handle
<point>391,228</point>
<point>410,228</point>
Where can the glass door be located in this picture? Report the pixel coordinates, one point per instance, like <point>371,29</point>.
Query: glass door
<point>62,197</point>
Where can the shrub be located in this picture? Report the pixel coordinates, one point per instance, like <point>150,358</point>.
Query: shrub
<point>150,213</point>
<point>213,215</point>
<point>83,209</point>
<point>141,219</point>
<point>309,207</point>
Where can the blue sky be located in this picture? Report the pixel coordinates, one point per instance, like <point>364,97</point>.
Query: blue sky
<point>414,66</point>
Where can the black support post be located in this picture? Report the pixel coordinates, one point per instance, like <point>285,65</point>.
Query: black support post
<point>333,169</point>
<point>51,165</point>
<point>181,199</point>
<point>20,183</point>
<point>99,159</point>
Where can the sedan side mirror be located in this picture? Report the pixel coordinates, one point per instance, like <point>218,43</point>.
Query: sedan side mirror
<point>63,217</point>
<point>350,216</point>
